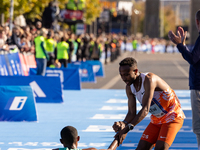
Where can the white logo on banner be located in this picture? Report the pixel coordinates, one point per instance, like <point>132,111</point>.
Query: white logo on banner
<point>18,68</point>
<point>83,72</point>
<point>95,68</point>
<point>37,91</point>
<point>18,103</point>
<point>55,73</point>
<point>13,66</point>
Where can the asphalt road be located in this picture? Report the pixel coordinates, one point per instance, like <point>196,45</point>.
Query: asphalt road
<point>170,67</point>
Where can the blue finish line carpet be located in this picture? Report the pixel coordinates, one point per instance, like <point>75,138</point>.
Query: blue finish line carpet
<point>93,113</point>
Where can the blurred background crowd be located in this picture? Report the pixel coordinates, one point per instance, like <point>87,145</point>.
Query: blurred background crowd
<point>80,47</point>
<point>88,30</point>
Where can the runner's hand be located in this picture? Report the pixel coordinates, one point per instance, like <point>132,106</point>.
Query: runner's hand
<point>121,135</point>
<point>117,126</point>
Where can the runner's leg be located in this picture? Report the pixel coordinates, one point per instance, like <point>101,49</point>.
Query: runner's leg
<point>168,133</point>
<point>149,137</point>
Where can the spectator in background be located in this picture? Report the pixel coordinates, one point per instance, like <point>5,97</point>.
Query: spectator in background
<point>15,38</point>
<point>38,25</point>
<point>85,48</point>
<point>62,51</point>
<point>49,15</point>
<point>107,47</point>
<point>33,30</point>
<point>56,64</point>
<point>3,38</point>
<point>79,41</point>
<point>134,44</point>
<point>8,34</point>
<point>91,46</point>
<point>30,39</point>
<point>50,46</point>
<point>125,41</point>
<point>24,43</point>
<point>69,40</point>
<point>193,58</point>
<point>40,53</point>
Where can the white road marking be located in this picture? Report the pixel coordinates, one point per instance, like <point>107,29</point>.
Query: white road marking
<point>181,69</point>
<point>111,82</point>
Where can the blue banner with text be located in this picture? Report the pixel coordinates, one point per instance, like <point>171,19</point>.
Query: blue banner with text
<point>17,104</point>
<point>85,70</point>
<point>69,77</point>
<point>97,67</point>
<point>15,64</point>
<point>45,89</point>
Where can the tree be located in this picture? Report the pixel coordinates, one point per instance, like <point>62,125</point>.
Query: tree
<point>169,20</point>
<point>20,7</point>
<point>33,9</point>
<point>93,9</point>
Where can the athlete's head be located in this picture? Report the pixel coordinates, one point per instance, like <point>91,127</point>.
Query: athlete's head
<point>128,70</point>
<point>69,137</point>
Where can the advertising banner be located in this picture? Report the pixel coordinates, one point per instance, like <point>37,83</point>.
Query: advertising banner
<point>71,14</point>
<point>85,70</point>
<point>17,104</point>
<point>97,67</point>
<point>69,77</point>
<point>45,89</point>
<point>31,61</point>
<point>24,64</point>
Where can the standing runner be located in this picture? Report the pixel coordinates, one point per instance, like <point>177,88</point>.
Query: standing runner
<point>156,97</point>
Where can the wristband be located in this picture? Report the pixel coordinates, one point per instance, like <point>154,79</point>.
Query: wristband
<point>125,122</point>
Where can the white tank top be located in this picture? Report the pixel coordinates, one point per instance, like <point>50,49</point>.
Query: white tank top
<point>165,106</point>
<point>141,92</point>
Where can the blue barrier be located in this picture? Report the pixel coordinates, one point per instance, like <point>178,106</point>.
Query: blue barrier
<point>86,71</point>
<point>45,89</point>
<point>69,77</point>
<point>97,67</point>
<point>17,104</point>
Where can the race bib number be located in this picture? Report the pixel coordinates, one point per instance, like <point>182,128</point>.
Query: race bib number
<point>157,111</point>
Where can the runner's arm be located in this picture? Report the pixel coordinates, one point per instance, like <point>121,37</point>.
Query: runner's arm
<point>132,109</point>
<point>149,86</point>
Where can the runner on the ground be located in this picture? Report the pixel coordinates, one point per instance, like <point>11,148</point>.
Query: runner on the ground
<point>156,97</point>
<point>70,138</point>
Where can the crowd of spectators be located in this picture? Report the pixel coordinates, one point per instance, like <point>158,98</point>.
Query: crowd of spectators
<point>80,47</point>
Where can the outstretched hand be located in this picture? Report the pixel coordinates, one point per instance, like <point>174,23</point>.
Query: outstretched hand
<point>179,38</point>
<point>121,135</point>
<point>117,126</point>
<point>183,35</point>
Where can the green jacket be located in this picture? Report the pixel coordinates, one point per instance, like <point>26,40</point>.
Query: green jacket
<point>62,49</point>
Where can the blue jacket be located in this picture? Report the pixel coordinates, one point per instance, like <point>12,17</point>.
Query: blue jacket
<point>193,58</point>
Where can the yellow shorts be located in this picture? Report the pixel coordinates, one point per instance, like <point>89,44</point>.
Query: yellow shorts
<point>164,132</point>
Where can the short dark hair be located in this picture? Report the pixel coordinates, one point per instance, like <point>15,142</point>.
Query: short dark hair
<point>69,135</point>
<point>128,61</point>
<point>198,15</point>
